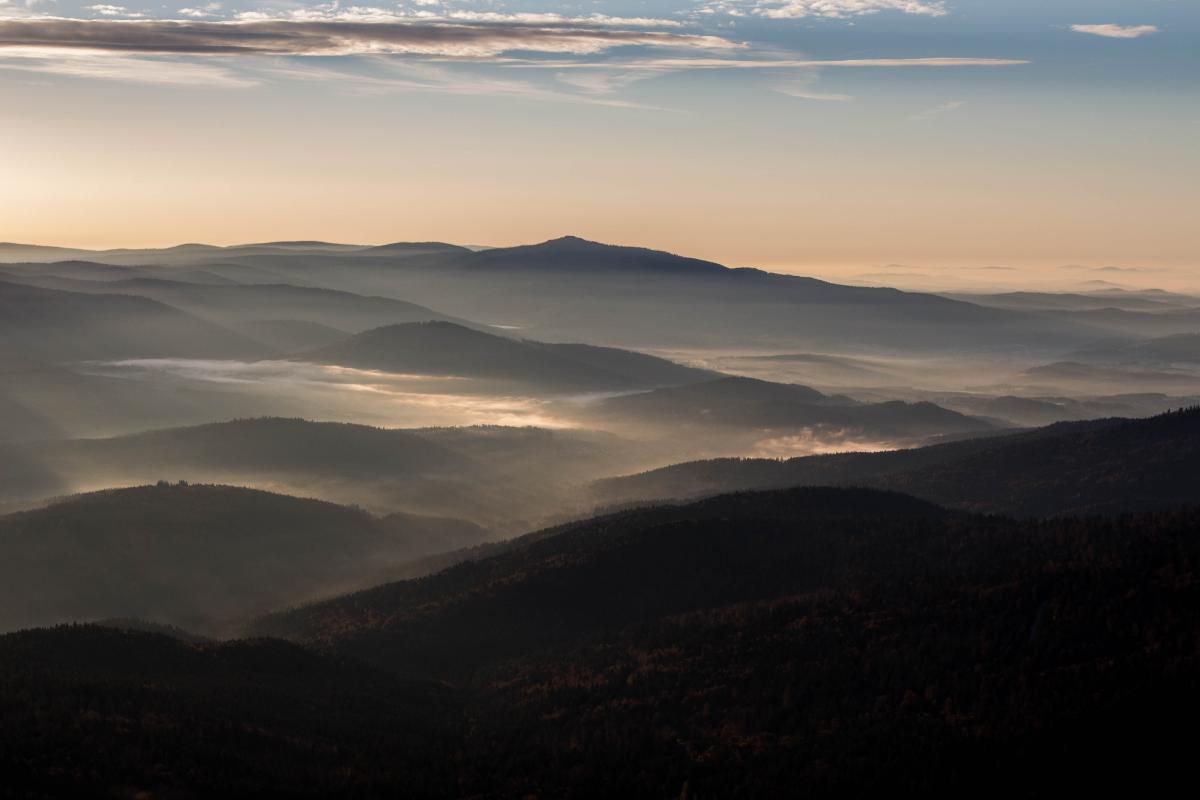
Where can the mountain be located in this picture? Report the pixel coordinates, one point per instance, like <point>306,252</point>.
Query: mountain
<point>251,303</point>
<point>49,402</point>
<point>550,587</point>
<point>1031,411</point>
<point>71,270</point>
<point>408,249</point>
<point>1180,349</point>
<point>179,255</point>
<point>506,479</point>
<point>571,254</point>
<point>1136,324</point>
<point>1102,466</point>
<point>443,348</point>
<point>817,368</point>
<point>68,326</point>
<point>199,557</point>
<point>291,335</point>
<point>735,402</point>
<point>834,642</point>
<point>759,628</point>
<point>640,297</point>
<point>1091,301</point>
<point>1077,377</point>
<point>268,445</point>
<point>278,719</point>
<point>569,288</point>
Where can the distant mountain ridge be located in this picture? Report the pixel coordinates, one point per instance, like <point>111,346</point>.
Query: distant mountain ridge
<point>570,288</point>
<point>56,326</point>
<point>235,304</point>
<point>748,403</point>
<point>444,348</point>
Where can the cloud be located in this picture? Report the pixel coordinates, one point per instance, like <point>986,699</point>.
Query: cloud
<point>199,12</point>
<point>10,9</point>
<point>803,94</point>
<point>551,19</point>
<point>332,38</point>
<point>1116,31</point>
<point>733,63</point>
<point>1106,269</point>
<point>123,68</point>
<point>800,88</point>
<point>111,11</point>
<point>334,11</point>
<point>611,75</point>
<point>115,11</point>
<point>602,81</point>
<point>391,76</point>
<point>829,9</point>
<point>937,111</point>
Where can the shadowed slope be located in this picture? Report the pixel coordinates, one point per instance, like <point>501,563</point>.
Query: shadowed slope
<point>93,711</point>
<point>737,402</point>
<point>1100,466</point>
<point>68,326</point>
<point>195,556</point>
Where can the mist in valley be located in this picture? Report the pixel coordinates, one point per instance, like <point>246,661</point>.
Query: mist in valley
<point>334,374</point>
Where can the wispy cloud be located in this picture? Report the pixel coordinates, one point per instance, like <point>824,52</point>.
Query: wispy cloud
<point>22,8</point>
<point>937,111</point>
<point>331,38</point>
<point>388,76</point>
<point>122,68</point>
<point>336,12</point>
<point>804,94</point>
<point>600,80</point>
<point>528,18</point>
<point>829,9</point>
<point>200,12</point>
<point>1111,31</point>
<point>790,63</point>
<point>801,89</point>
<point>114,11</point>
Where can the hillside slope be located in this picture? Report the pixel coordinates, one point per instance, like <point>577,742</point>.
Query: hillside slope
<point>507,479</point>
<point>829,643</point>
<point>442,348</point>
<point>199,557</point>
<point>761,627</point>
<point>748,403</point>
<point>1084,467</point>
<point>58,326</point>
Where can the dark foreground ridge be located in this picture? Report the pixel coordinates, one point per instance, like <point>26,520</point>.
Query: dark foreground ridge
<point>820,642</point>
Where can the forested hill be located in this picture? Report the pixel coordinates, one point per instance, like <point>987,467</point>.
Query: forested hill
<point>1078,467</point>
<point>835,642</point>
<point>95,711</point>
<point>201,557</point>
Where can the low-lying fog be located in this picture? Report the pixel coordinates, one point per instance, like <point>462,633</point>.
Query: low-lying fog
<point>512,478</point>
<point>344,393</point>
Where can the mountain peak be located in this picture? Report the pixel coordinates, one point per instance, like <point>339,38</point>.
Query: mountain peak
<point>575,243</point>
<point>577,254</point>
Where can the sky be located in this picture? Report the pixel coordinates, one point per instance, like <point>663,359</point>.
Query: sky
<point>839,138</point>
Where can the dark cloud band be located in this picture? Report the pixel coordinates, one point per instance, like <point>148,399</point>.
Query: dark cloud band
<point>287,37</point>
